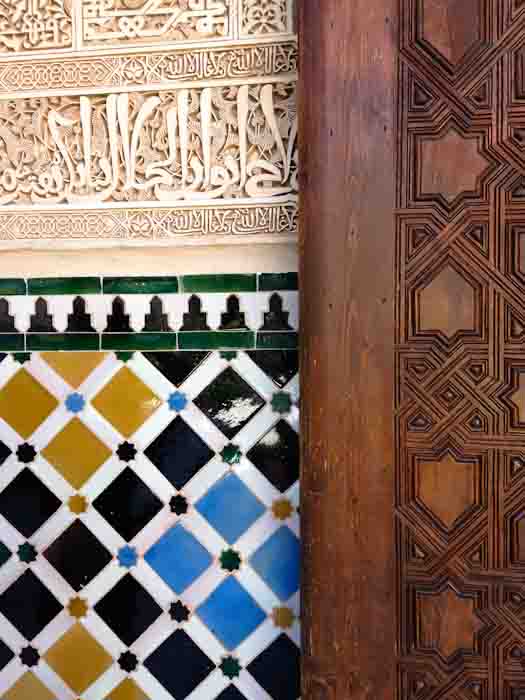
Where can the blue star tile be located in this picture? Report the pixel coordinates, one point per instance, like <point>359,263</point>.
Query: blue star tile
<point>277,562</point>
<point>231,613</point>
<point>178,558</point>
<point>75,403</point>
<point>177,401</point>
<point>127,556</point>
<point>230,507</point>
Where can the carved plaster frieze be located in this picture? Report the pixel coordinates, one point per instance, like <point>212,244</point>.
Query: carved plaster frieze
<point>167,226</point>
<point>133,121</point>
<point>167,68</point>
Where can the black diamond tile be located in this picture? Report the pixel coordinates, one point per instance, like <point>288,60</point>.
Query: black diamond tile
<point>178,452</point>
<point>127,504</point>
<point>4,452</point>
<point>29,605</point>
<point>128,609</point>
<point>279,365</point>
<point>276,455</point>
<point>176,366</point>
<point>277,669</point>
<point>191,667</point>
<point>5,655</point>
<point>27,503</point>
<point>231,693</point>
<point>77,555</point>
<point>229,402</point>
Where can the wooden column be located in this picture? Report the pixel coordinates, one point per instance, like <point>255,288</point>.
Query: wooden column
<point>347,106</point>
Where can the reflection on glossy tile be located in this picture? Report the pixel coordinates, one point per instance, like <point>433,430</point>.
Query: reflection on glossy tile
<point>153,520</point>
<point>76,453</point>
<point>72,366</point>
<point>25,403</point>
<point>126,402</point>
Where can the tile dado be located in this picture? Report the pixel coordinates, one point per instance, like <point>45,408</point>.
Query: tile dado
<point>148,521</point>
<point>190,312</point>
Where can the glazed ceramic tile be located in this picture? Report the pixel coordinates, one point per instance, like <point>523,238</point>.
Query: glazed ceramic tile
<point>148,512</point>
<point>196,312</point>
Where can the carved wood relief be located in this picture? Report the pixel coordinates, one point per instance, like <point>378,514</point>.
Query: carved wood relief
<point>133,121</point>
<point>460,386</point>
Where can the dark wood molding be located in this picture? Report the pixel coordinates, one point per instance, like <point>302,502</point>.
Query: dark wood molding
<point>347,242</point>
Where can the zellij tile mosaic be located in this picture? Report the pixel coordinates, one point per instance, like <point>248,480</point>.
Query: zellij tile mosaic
<point>149,531</point>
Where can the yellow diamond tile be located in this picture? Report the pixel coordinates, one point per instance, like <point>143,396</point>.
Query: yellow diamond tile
<point>74,367</point>
<point>126,402</point>
<point>25,403</point>
<point>78,658</point>
<point>28,687</point>
<point>76,452</point>
<point>127,690</point>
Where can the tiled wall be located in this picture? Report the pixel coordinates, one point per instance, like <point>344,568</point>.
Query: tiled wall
<point>149,531</point>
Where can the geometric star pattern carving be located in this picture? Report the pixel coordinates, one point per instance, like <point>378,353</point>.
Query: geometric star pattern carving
<point>460,487</point>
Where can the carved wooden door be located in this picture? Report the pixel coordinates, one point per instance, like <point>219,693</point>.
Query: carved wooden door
<point>414,361</point>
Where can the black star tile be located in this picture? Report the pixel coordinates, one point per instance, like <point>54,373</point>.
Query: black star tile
<point>231,693</point>
<point>127,504</point>
<point>77,555</point>
<point>128,609</point>
<point>26,503</point>
<point>29,656</point>
<point>26,453</point>
<point>229,402</point>
<point>176,366</point>
<point>279,365</point>
<point>29,605</point>
<point>5,655</point>
<point>126,452</point>
<point>277,669</point>
<point>191,668</point>
<point>128,662</point>
<point>179,505</point>
<point>179,612</point>
<point>178,452</point>
<point>4,452</point>
<point>276,455</point>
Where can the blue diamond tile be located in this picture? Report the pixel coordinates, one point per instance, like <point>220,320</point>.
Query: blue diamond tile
<point>230,507</point>
<point>231,613</point>
<point>277,562</point>
<point>178,558</point>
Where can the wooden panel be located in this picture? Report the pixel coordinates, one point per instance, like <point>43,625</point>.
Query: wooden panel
<point>347,250</point>
<point>460,387</point>
<point>434,282</point>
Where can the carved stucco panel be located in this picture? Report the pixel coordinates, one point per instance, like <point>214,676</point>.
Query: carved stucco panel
<point>133,121</point>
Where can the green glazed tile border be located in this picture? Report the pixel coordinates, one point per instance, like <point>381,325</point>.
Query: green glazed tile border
<point>63,341</point>
<point>218,283</point>
<point>275,282</point>
<point>11,287</point>
<point>64,285</point>
<point>12,342</point>
<point>216,340</point>
<point>140,285</point>
<point>139,341</point>
<point>274,340</point>
<point>48,286</point>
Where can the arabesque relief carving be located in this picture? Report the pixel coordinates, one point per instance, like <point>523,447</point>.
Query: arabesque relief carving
<point>29,25</point>
<point>190,144</point>
<point>184,105</point>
